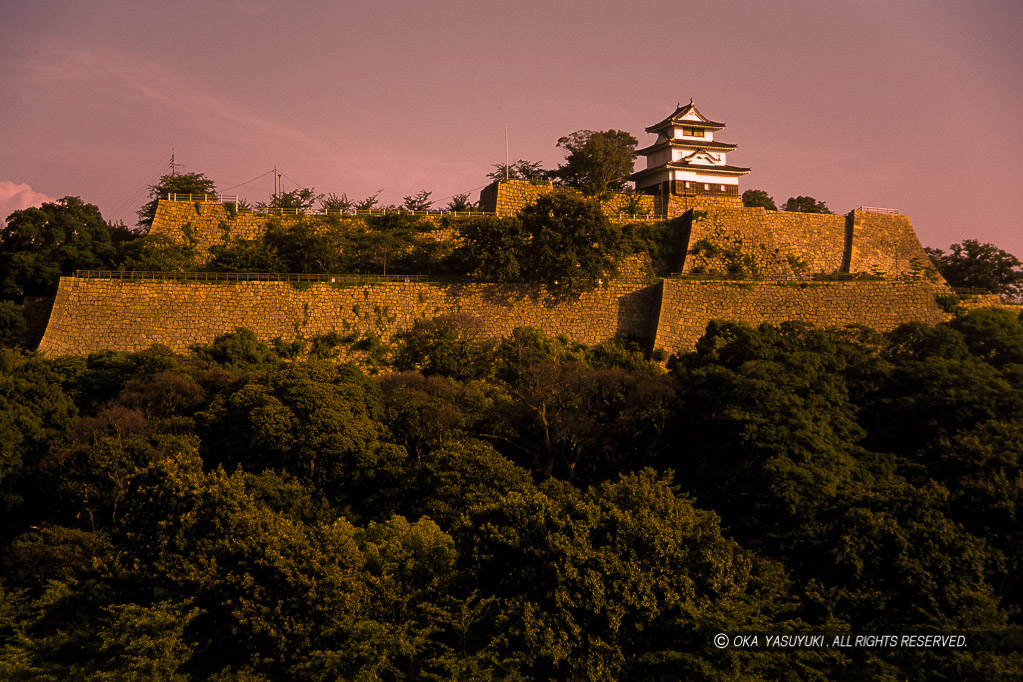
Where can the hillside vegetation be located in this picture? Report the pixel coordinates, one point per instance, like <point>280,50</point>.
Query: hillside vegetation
<point>529,508</point>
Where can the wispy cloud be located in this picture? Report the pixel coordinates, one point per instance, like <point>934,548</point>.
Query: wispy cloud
<point>170,89</point>
<point>15,196</point>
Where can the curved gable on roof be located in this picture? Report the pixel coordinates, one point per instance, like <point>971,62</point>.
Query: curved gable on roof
<point>687,115</point>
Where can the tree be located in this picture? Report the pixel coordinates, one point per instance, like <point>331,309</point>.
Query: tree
<point>41,244</point>
<point>13,326</point>
<point>568,237</point>
<point>489,247</point>
<point>157,252</point>
<point>984,266</point>
<point>185,183</point>
<point>341,205</point>
<point>520,170</point>
<point>449,345</point>
<point>369,202</point>
<point>460,204</point>
<point>417,202</point>
<point>758,197</point>
<point>597,162</point>
<point>803,204</point>
<point>298,199</point>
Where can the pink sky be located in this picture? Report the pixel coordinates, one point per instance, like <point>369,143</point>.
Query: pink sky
<point>910,104</point>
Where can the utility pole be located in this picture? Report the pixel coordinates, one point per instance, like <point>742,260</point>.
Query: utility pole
<point>507,159</point>
<point>174,166</point>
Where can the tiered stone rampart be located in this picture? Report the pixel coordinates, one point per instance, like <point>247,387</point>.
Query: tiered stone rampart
<point>722,236</point>
<point>208,224</point>
<point>687,305</point>
<point>94,314</point>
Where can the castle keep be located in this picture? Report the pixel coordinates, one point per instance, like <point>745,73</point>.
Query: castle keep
<point>866,267</point>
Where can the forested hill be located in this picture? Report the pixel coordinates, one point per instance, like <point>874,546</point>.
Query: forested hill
<point>531,508</point>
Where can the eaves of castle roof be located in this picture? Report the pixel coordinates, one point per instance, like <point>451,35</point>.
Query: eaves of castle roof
<point>695,167</point>
<point>677,143</point>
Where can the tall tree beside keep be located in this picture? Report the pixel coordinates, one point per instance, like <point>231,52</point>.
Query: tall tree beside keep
<point>597,162</point>
<point>185,183</point>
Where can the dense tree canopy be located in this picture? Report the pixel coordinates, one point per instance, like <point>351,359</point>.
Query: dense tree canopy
<point>758,197</point>
<point>41,244</point>
<point>976,265</point>
<point>525,509</point>
<point>563,236</point>
<point>596,162</point>
<point>803,204</point>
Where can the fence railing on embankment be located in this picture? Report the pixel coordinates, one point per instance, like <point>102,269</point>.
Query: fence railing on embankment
<point>878,209</point>
<point>266,210</point>
<point>204,198</point>
<point>249,276</point>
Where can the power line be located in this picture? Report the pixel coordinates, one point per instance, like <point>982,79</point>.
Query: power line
<point>242,184</point>
<point>285,176</point>
<point>138,193</point>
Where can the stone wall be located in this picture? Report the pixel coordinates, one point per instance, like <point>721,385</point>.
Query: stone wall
<point>687,306</point>
<point>508,197</point>
<point>884,243</point>
<point>782,244</point>
<point>210,224</point>
<point>206,224</point>
<point>94,314</point>
<point>765,243</point>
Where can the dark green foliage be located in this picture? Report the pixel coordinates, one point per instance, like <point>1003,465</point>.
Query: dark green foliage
<point>567,237</point>
<point>983,266</point>
<point>238,351</point>
<point>301,199</point>
<point>417,202</point>
<point>534,509</point>
<point>758,197</point>
<point>460,203</point>
<point>520,170</point>
<point>41,244</point>
<point>13,326</point>
<point>449,345</point>
<point>184,183</point>
<point>596,162</point>
<point>561,237</point>
<point>803,204</point>
<point>340,205</point>
<point>391,243</point>
<point>490,247</point>
<point>35,413</point>
<point>157,252</point>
